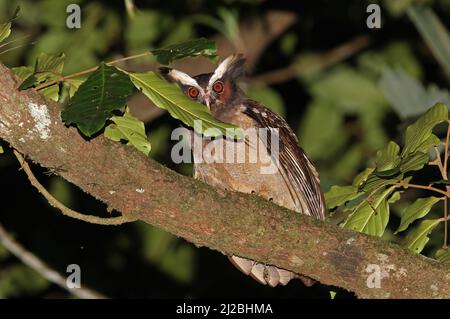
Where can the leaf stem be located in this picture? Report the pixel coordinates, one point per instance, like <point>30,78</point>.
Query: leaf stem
<point>430,188</point>
<point>90,70</point>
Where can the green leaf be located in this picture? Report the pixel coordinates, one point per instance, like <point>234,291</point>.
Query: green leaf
<point>387,157</point>
<point>374,182</point>
<point>74,84</point>
<point>5,30</point>
<point>420,131</point>
<point>338,195</point>
<point>433,32</point>
<point>414,162</point>
<point>170,97</point>
<point>47,67</point>
<point>332,294</point>
<point>185,49</point>
<point>408,96</point>
<point>418,238</point>
<point>47,62</point>
<point>420,208</point>
<point>443,255</point>
<point>23,72</point>
<point>371,217</point>
<point>1,150</point>
<point>362,177</point>
<point>395,197</point>
<point>104,91</point>
<point>130,129</point>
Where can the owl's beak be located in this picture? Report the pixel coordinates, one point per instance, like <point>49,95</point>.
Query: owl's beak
<point>206,98</point>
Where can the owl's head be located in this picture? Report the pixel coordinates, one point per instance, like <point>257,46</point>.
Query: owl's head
<point>211,89</point>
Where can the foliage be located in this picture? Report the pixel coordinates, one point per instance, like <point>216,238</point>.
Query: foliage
<point>104,91</point>
<point>192,48</point>
<point>376,186</point>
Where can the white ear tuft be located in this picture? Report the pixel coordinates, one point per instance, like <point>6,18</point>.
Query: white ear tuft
<point>233,64</point>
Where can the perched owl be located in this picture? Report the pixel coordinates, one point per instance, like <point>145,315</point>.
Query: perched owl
<point>295,184</point>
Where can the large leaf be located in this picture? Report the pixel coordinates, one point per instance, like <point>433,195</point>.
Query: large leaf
<point>420,131</point>
<point>338,195</point>
<point>418,238</point>
<point>170,97</point>
<point>433,32</point>
<point>372,216</point>
<point>130,129</point>
<point>387,157</point>
<point>189,48</point>
<point>104,91</point>
<point>408,96</point>
<point>420,208</point>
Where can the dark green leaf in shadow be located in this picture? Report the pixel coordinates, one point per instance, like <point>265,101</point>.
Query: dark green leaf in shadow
<point>190,48</point>
<point>104,91</point>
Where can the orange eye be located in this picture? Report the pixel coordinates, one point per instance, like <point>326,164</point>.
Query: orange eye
<point>193,92</point>
<point>218,87</point>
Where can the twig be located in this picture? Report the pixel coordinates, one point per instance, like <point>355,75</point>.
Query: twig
<point>445,223</point>
<point>438,162</point>
<point>90,70</point>
<point>430,188</point>
<point>41,267</point>
<point>446,153</point>
<point>296,69</point>
<point>65,210</point>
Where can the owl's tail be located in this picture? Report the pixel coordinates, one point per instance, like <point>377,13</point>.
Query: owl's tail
<point>265,274</point>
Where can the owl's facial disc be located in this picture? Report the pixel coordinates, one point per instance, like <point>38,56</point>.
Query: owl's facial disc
<point>221,86</point>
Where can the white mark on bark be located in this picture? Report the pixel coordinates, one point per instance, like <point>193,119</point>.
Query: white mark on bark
<point>140,190</point>
<point>350,241</point>
<point>22,140</point>
<point>112,192</point>
<point>41,119</point>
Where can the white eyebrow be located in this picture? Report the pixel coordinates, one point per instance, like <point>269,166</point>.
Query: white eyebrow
<point>221,69</point>
<point>184,78</point>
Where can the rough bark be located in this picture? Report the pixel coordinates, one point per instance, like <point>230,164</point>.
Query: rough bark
<point>232,223</point>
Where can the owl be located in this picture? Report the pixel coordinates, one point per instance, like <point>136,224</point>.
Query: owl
<point>294,184</point>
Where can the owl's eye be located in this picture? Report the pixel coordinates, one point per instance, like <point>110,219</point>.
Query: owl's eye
<point>193,92</point>
<point>218,87</point>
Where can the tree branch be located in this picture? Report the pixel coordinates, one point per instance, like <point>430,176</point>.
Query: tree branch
<point>232,223</point>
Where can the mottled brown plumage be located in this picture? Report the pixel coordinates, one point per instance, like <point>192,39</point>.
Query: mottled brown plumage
<point>295,183</point>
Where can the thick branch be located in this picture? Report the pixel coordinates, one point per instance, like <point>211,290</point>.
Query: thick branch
<point>232,223</point>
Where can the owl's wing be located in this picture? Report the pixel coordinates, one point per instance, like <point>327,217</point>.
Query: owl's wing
<point>301,175</point>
